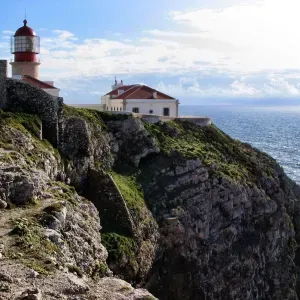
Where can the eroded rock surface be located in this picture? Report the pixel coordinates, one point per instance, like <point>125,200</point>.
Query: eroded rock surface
<point>187,212</point>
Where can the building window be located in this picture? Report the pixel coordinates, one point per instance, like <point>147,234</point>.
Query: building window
<point>151,111</point>
<point>166,111</point>
<point>135,110</point>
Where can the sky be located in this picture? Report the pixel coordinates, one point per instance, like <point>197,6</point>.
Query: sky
<point>199,51</point>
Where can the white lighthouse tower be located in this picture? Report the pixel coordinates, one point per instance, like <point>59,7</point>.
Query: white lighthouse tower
<point>25,45</point>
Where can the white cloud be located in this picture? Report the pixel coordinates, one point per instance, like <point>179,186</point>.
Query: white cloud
<point>279,86</point>
<point>274,86</point>
<point>192,87</point>
<point>64,35</point>
<point>236,41</point>
<point>8,32</point>
<point>264,33</point>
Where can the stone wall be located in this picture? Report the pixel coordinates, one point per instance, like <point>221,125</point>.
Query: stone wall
<point>104,193</point>
<point>23,97</point>
<point>199,121</point>
<point>3,76</point>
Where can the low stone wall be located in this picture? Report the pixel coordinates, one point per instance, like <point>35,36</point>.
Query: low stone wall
<point>98,107</point>
<point>199,121</point>
<point>3,76</point>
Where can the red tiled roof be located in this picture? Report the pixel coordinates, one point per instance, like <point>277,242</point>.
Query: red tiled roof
<point>137,92</point>
<point>37,83</point>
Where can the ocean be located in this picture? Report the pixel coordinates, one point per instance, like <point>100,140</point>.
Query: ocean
<point>274,130</point>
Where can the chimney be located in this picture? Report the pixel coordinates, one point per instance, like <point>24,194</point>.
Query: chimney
<point>3,76</point>
<point>155,95</point>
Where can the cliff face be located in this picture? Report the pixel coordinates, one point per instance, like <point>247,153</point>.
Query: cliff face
<point>50,241</point>
<point>185,211</point>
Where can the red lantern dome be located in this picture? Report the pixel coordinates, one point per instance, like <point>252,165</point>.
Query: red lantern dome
<point>25,44</point>
<point>25,30</point>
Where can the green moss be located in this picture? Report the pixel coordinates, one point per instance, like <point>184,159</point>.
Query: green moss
<point>90,115</point>
<point>67,192</point>
<point>21,121</point>
<point>32,245</point>
<point>56,207</point>
<point>75,269</point>
<point>30,126</point>
<point>94,116</point>
<point>131,191</point>
<point>42,267</point>
<point>99,270</point>
<point>224,156</point>
<point>119,246</point>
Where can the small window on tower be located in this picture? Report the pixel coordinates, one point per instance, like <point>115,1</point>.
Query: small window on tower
<point>151,111</point>
<point>135,110</point>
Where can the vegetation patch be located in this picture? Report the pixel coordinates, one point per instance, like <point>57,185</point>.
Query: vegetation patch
<point>224,156</point>
<point>99,270</point>
<point>131,191</point>
<point>119,247</point>
<point>65,193</point>
<point>93,116</point>
<point>90,115</point>
<point>75,269</point>
<point>32,245</point>
<point>56,207</point>
<point>30,126</point>
<point>21,121</point>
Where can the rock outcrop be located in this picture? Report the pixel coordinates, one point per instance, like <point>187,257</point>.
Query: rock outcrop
<point>185,211</point>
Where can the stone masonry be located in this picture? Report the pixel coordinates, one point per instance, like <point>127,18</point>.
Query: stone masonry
<point>19,96</point>
<point>3,76</point>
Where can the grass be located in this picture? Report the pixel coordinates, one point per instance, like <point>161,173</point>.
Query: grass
<point>30,126</point>
<point>131,191</point>
<point>118,246</point>
<point>56,207</point>
<point>225,157</point>
<point>90,115</point>
<point>94,116</point>
<point>21,121</point>
<point>67,192</point>
<point>75,269</point>
<point>32,246</point>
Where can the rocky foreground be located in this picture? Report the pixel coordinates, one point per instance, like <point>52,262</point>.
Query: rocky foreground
<point>185,212</point>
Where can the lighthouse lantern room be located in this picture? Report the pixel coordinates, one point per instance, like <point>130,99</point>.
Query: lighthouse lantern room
<point>25,46</point>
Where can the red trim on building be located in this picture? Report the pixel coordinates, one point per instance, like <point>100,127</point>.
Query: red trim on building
<point>37,83</point>
<point>25,56</point>
<point>137,92</point>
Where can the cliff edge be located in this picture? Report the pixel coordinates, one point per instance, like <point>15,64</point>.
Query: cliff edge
<point>90,199</point>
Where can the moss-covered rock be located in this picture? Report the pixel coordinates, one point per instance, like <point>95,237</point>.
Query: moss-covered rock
<point>186,210</point>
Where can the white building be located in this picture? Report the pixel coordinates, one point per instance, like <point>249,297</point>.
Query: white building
<point>139,99</point>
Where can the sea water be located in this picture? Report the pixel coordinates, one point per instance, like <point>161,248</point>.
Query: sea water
<point>274,130</point>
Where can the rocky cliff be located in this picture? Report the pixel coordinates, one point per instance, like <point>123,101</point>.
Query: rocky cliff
<point>186,212</point>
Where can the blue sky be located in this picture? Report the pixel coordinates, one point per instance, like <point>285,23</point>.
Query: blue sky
<point>202,52</point>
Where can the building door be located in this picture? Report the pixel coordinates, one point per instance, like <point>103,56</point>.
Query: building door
<point>166,111</point>
<point>135,110</point>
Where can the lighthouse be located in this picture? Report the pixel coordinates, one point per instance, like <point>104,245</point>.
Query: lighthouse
<point>25,46</point>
